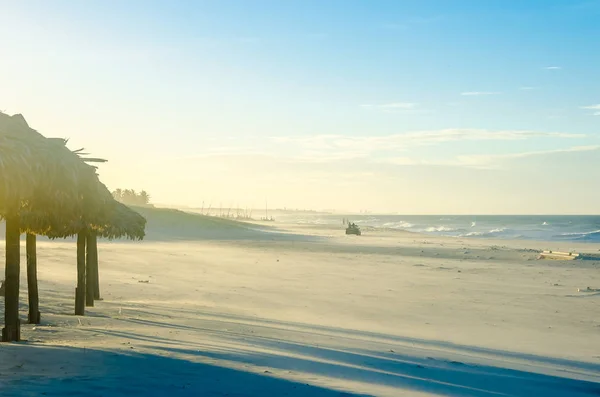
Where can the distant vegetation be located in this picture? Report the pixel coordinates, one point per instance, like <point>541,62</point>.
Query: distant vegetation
<point>131,197</point>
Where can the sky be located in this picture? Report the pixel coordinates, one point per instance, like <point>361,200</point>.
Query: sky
<point>404,106</point>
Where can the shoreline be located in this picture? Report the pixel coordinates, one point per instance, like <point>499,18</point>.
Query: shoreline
<point>388,236</point>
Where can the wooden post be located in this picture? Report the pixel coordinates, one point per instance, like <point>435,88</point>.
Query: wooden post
<point>12,326</point>
<point>32,282</point>
<point>90,285</point>
<point>93,252</point>
<point>80,290</point>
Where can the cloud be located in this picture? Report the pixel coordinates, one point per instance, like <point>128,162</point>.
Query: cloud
<point>418,138</point>
<point>593,107</point>
<point>319,149</point>
<point>553,67</point>
<point>400,161</point>
<point>225,151</point>
<point>484,161</point>
<point>335,147</point>
<point>478,93</point>
<point>399,105</point>
<point>393,105</point>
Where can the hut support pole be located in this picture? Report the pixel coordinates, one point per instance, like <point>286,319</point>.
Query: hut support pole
<point>80,290</point>
<point>90,273</point>
<point>12,326</point>
<point>93,250</point>
<point>32,282</point>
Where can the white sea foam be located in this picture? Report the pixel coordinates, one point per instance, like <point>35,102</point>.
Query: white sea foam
<point>595,235</point>
<point>486,233</point>
<point>398,225</point>
<point>440,229</point>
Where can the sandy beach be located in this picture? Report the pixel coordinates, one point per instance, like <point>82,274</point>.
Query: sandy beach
<point>300,198</point>
<point>306,311</point>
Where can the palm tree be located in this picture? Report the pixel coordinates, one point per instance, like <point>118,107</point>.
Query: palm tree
<point>144,197</point>
<point>118,194</point>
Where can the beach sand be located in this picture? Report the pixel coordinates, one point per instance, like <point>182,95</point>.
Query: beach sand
<point>305,311</point>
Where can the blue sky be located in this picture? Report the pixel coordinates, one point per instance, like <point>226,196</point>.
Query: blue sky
<point>310,103</point>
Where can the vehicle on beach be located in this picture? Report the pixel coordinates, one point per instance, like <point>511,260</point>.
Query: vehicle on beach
<point>353,229</point>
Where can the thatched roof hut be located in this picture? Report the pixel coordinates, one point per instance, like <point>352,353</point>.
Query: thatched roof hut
<point>43,176</point>
<point>47,189</point>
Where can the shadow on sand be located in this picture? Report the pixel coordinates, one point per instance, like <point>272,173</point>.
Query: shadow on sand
<point>222,320</point>
<point>213,361</point>
<point>435,367</point>
<point>67,371</point>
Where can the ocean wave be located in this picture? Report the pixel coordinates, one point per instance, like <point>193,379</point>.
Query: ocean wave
<point>398,225</point>
<point>595,235</point>
<point>581,229</point>
<point>493,232</point>
<point>440,229</point>
<point>367,221</point>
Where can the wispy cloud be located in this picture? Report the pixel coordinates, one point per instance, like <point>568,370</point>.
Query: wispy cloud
<point>226,151</point>
<point>485,161</point>
<point>419,138</point>
<point>391,149</point>
<point>396,107</point>
<point>339,146</point>
<point>393,105</point>
<point>478,93</point>
<point>553,67</point>
<point>596,109</point>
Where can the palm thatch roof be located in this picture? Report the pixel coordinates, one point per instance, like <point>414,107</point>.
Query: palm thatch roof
<point>54,190</point>
<point>42,174</point>
<point>122,222</point>
<point>119,221</point>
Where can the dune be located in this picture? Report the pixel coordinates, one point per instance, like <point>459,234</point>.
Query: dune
<point>173,224</point>
<point>213,307</point>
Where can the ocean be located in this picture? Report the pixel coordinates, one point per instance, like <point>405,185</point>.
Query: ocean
<point>583,228</point>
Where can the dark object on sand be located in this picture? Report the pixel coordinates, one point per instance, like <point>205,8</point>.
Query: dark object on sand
<point>2,288</point>
<point>353,229</point>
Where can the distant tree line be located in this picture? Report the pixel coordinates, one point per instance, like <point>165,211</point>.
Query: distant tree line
<point>131,197</point>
